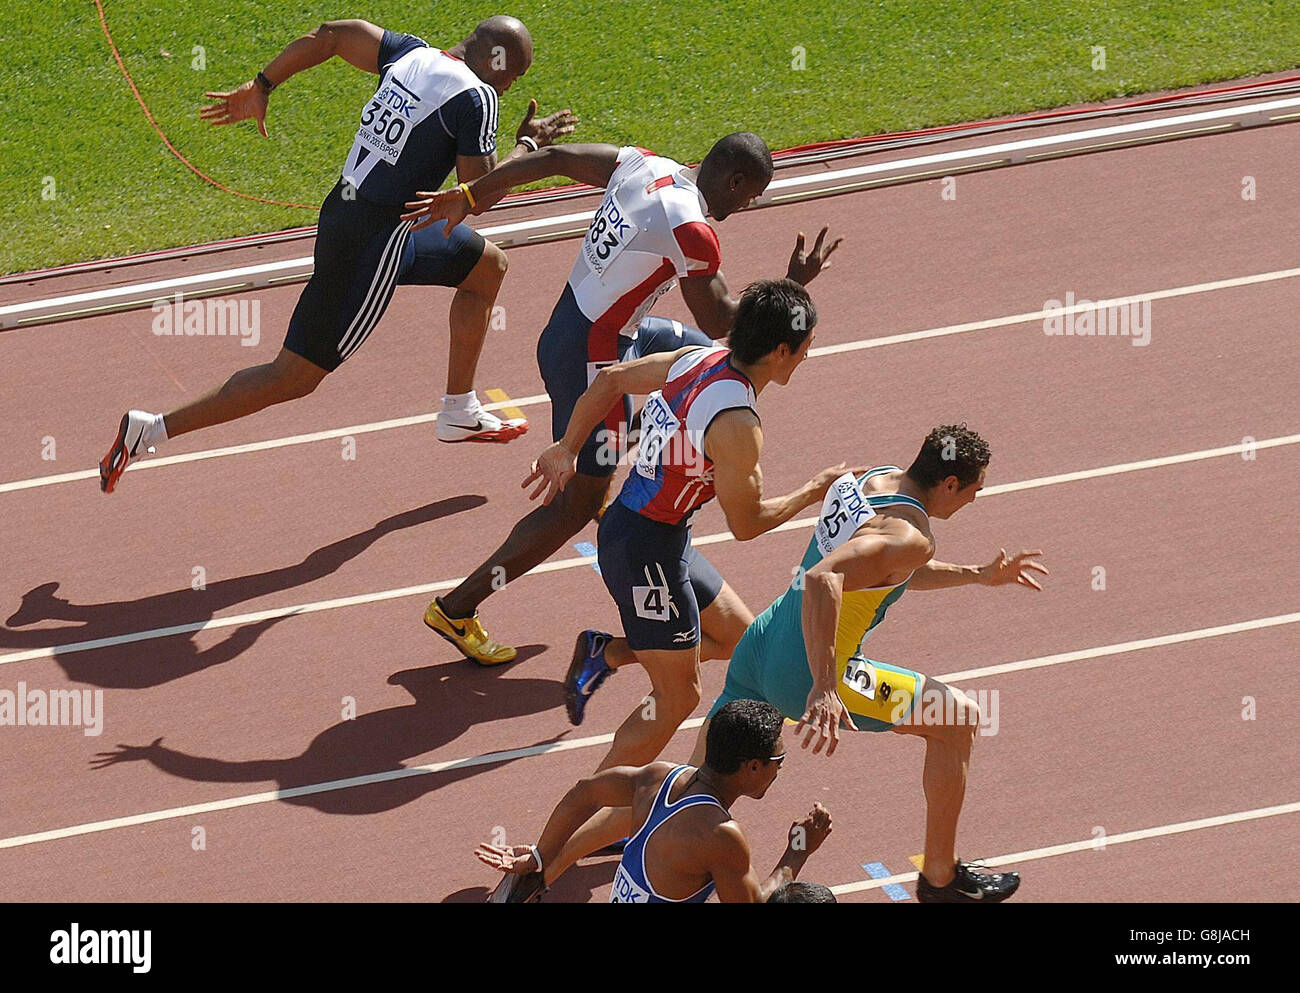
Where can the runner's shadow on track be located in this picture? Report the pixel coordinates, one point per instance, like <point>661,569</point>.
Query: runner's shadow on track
<point>136,666</point>
<point>448,701</point>
<point>578,885</point>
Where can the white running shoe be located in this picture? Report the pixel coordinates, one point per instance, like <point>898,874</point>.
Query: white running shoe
<point>126,447</point>
<point>477,424</point>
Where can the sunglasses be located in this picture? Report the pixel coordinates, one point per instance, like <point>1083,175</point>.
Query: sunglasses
<point>778,759</point>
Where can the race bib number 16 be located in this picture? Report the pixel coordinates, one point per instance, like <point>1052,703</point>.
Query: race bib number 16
<point>658,425</point>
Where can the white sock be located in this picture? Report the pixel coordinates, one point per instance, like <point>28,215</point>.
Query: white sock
<point>462,406</point>
<point>155,431</point>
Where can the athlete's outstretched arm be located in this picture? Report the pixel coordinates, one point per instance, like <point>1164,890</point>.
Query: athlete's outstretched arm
<point>728,858</point>
<point>543,131</point>
<point>615,787</point>
<point>860,563</point>
<point>1003,570</point>
<point>355,41</point>
<point>591,164</point>
<point>713,306</point>
<point>558,463</point>
<point>733,442</point>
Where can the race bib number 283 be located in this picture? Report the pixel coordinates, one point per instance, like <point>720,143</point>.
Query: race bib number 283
<point>610,232</point>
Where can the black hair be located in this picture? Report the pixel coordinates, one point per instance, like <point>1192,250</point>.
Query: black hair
<point>743,152</point>
<point>800,892</point>
<point>740,731</point>
<point>950,450</point>
<point>772,312</point>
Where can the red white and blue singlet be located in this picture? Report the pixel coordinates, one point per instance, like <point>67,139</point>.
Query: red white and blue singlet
<point>673,477</point>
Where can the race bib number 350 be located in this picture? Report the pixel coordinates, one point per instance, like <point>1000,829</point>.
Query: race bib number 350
<point>610,232</point>
<point>387,121</point>
<point>843,511</point>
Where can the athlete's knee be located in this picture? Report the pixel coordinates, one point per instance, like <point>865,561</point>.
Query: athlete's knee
<point>963,725</point>
<point>293,377</point>
<point>488,273</point>
<point>681,696</point>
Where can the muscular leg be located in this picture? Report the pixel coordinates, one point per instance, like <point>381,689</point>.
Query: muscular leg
<point>722,623</point>
<point>947,761</point>
<point>675,677</point>
<point>289,377</point>
<point>471,310</point>
<point>532,541</point>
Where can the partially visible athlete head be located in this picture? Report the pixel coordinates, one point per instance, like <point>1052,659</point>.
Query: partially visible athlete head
<point>800,892</point>
<point>499,51</point>
<point>735,173</point>
<point>950,468</point>
<point>774,324</point>
<point>744,744</point>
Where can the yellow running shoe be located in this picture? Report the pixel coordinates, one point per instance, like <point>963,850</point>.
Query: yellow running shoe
<point>467,634</point>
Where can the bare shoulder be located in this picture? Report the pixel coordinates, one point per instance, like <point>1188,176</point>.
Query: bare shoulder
<point>735,437</point>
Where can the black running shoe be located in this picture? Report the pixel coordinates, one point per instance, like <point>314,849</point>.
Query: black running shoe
<point>969,886</point>
<point>516,888</point>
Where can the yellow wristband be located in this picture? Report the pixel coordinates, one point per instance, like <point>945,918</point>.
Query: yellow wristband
<point>464,188</point>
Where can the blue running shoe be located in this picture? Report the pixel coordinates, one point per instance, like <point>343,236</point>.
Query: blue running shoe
<point>587,671</point>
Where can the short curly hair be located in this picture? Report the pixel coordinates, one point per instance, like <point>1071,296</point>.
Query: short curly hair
<point>740,731</point>
<point>950,450</point>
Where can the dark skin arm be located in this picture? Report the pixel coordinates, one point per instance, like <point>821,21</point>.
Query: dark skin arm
<point>713,306</point>
<point>591,164</point>
<point>726,853</point>
<point>616,787</point>
<point>356,42</point>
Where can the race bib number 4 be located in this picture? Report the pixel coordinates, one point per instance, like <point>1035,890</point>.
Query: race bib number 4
<point>609,234</point>
<point>387,121</point>
<point>658,425</point>
<point>843,512</point>
<point>652,602</point>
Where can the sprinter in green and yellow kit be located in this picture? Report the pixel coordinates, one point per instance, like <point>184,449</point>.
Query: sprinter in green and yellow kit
<point>804,653</point>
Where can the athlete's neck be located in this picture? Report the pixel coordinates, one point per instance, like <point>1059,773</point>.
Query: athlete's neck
<point>716,785</point>
<point>759,374</point>
<point>909,487</point>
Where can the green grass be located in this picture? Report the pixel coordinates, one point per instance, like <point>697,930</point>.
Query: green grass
<point>672,74</point>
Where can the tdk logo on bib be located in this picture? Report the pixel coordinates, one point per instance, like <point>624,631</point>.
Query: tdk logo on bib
<point>609,234</point>
<point>843,511</point>
<point>626,890</point>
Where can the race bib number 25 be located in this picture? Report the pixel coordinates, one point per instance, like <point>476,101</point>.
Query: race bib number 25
<point>843,512</point>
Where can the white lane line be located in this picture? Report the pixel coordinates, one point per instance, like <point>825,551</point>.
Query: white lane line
<point>1039,315</point>
<point>1090,844</point>
<point>592,741</point>
<point>261,446</point>
<point>850,346</point>
<point>1126,646</point>
<point>574,563</point>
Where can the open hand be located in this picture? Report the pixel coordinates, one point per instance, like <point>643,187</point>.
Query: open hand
<point>247,101</point>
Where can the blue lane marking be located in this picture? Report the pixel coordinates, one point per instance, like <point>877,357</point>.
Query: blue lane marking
<point>587,548</point>
<point>877,870</point>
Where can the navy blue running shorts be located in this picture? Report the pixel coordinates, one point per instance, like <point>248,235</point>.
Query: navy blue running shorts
<point>363,251</point>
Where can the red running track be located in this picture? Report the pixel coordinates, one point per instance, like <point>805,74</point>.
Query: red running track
<point>1142,738</point>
